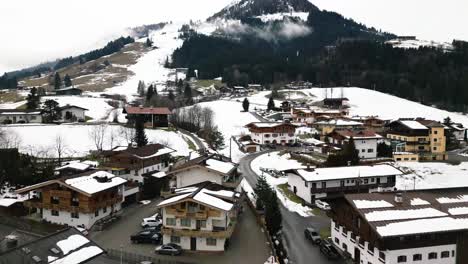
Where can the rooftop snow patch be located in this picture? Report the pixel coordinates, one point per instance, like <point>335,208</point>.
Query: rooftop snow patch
<point>80,256</point>
<point>419,201</point>
<point>71,243</point>
<point>349,172</point>
<point>371,204</point>
<point>388,215</point>
<point>459,199</point>
<point>205,198</point>
<point>413,124</point>
<point>458,211</point>
<point>421,226</point>
<point>221,166</point>
<point>174,199</point>
<point>89,184</point>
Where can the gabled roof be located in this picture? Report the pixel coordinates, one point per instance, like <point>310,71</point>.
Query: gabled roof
<point>21,111</point>
<point>213,162</point>
<point>148,151</point>
<point>357,134</point>
<point>67,246</point>
<point>268,124</point>
<point>68,89</point>
<point>134,110</point>
<point>87,183</point>
<point>206,193</point>
<point>72,106</point>
<point>339,122</point>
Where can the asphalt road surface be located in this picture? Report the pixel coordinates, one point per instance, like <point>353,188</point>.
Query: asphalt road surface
<point>299,249</point>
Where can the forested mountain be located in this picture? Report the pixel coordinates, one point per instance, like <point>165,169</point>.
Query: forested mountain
<point>251,8</point>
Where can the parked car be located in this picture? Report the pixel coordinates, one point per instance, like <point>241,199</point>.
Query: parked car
<point>329,250</point>
<point>154,220</point>
<point>146,262</point>
<point>322,205</point>
<point>146,236</point>
<point>169,249</point>
<point>312,235</point>
<point>153,228</point>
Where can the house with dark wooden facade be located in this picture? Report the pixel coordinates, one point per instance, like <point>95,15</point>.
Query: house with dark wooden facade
<point>152,116</point>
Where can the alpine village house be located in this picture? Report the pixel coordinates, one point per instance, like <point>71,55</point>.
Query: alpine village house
<point>200,217</point>
<point>276,133</point>
<point>151,116</point>
<point>427,226</point>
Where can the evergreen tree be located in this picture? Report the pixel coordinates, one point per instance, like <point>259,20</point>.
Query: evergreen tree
<point>51,111</point>
<point>67,81</point>
<point>273,216</point>
<point>466,136</point>
<point>275,93</point>
<point>384,150</point>
<point>57,81</point>
<point>351,153</point>
<point>141,88</point>
<point>166,63</point>
<point>261,191</point>
<point>140,135</point>
<point>180,86</point>
<point>171,96</point>
<point>216,139</point>
<point>188,93</point>
<point>149,93</point>
<point>32,101</point>
<point>245,105</point>
<point>271,104</point>
<point>149,43</point>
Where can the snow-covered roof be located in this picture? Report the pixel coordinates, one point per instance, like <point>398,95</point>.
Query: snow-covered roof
<point>388,215</point>
<point>75,165</point>
<point>458,211</point>
<point>419,201</point>
<point>79,256</point>
<point>90,184</point>
<point>207,193</point>
<point>269,124</point>
<point>371,204</point>
<point>221,166</point>
<point>339,122</point>
<point>160,152</point>
<point>458,199</point>
<point>337,173</point>
<point>420,226</point>
<point>413,124</point>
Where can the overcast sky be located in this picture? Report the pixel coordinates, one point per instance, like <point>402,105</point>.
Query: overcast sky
<point>39,30</point>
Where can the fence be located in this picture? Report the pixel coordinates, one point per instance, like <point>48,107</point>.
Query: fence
<point>129,257</point>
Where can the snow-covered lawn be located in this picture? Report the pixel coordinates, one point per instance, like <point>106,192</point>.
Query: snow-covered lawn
<point>41,139</point>
<point>98,108</point>
<point>279,162</point>
<point>432,175</point>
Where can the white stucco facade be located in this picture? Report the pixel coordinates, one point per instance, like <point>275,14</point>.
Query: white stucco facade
<point>137,174</point>
<point>196,175</point>
<point>273,138</point>
<point>20,117</point>
<point>345,242</point>
<point>76,112</point>
<point>85,220</point>
<point>367,148</point>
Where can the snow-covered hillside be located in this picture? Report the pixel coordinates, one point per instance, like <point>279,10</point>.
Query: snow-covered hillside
<point>98,108</point>
<point>432,175</point>
<point>416,43</point>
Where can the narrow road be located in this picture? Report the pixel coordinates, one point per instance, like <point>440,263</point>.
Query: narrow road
<point>299,249</point>
<point>259,117</point>
<point>198,142</point>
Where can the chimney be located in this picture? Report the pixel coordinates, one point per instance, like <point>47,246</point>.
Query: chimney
<point>399,198</point>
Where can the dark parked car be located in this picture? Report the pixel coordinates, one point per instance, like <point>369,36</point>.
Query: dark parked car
<point>169,249</point>
<point>312,235</point>
<point>329,250</point>
<point>156,229</point>
<point>146,236</point>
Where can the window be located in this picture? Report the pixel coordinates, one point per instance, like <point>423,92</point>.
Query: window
<point>453,253</point>
<point>96,213</point>
<point>175,239</point>
<point>104,209</point>
<point>275,135</point>
<point>337,241</point>
<point>345,247</point>
<point>170,221</point>
<point>267,142</point>
<point>370,150</point>
<point>203,223</point>
<point>435,139</point>
<point>372,180</point>
<point>75,202</point>
<point>75,215</point>
<point>366,181</point>
<point>401,259</point>
<point>420,147</point>
<point>382,255</point>
<point>432,255</point>
<point>417,257</point>
<point>435,148</point>
<point>33,117</point>
<point>445,254</point>
<point>55,213</point>
<point>324,185</point>
<point>267,135</point>
<point>54,200</point>
<point>305,184</point>
<point>210,241</point>
<point>363,151</point>
<point>185,222</point>
<point>435,132</point>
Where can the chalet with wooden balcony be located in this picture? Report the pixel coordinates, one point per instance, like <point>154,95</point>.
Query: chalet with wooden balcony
<point>426,138</point>
<point>200,217</point>
<point>429,226</point>
<point>276,133</point>
<point>325,183</point>
<point>308,116</point>
<point>373,123</point>
<point>78,201</point>
<point>208,167</point>
<point>151,116</point>
<point>328,126</point>
<point>133,163</point>
<point>365,141</point>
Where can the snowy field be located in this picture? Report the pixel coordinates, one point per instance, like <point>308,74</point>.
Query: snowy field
<point>432,175</point>
<point>98,108</point>
<point>41,139</point>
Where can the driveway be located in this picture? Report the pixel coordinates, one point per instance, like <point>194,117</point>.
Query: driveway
<point>248,242</point>
<point>299,249</point>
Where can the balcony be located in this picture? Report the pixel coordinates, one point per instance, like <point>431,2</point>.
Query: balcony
<point>216,233</point>
<point>82,208</point>
<point>352,188</point>
<point>185,214</point>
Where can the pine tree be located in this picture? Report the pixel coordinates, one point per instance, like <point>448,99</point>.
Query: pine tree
<point>141,88</point>
<point>261,192</point>
<point>171,96</point>
<point>57,81</point>
<point>149,93</point>
<point>166,63</point>
<point>188,93</point>
<point>216,139</point>
<point>140,135</point>
<point>180,86</point>
<point>351,153</point>
<point>32,101</point>
<point>51,111</point>
<point>273,216</point>
<point>271,104</point>
<point>245,105</point>
<point>67,81</point>
<point>149,43</point>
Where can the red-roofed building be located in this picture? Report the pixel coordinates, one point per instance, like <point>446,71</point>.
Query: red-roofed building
<point>153,116</point>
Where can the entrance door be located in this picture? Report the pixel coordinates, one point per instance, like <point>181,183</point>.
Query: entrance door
<point>193,243</point>
<point>357,255</point>
<point>198,224</point>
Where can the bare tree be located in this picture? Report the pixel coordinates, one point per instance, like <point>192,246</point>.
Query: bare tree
<point>9,139</point>
<point>112,137</point>
<point>60,147</point>
<point>97,134</point>
<point>127,134</point>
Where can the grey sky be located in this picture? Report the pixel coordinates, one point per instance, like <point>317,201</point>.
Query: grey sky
<point>41,30</point>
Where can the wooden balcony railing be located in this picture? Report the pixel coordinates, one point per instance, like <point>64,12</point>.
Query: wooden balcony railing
<point>224,233</point>
<point>81,208</point>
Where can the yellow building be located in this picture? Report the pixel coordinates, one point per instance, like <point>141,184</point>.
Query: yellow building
<point>421,136</point>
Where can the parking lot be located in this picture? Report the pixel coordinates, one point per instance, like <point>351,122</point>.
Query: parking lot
<point>248,243</point>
